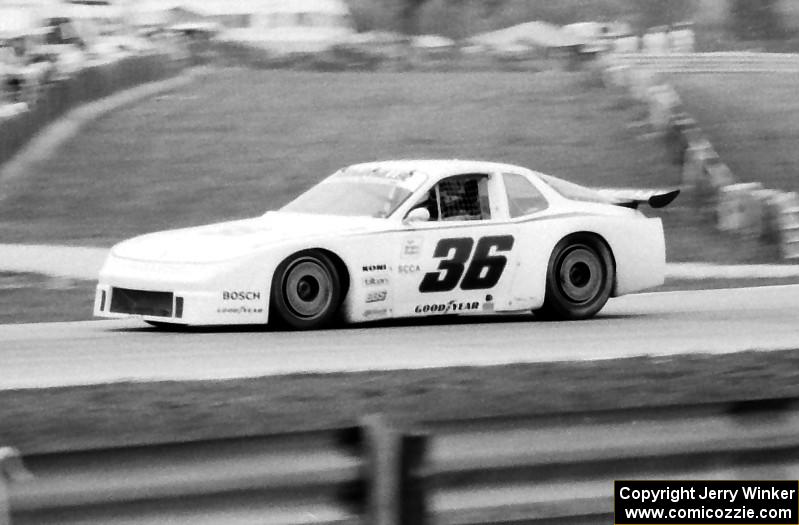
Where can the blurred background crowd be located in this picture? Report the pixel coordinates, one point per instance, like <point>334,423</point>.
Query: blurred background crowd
<point>46,41</point>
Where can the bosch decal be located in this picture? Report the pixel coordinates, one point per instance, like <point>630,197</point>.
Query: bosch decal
<point>241,296</point>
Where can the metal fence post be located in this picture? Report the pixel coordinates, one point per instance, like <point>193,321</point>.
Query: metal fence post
<point>11,469</point>
<point>413,479</point>
<point>382,448</point>
<point>396,491</point>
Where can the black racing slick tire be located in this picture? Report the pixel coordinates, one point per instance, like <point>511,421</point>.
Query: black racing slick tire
<point>580,278</point>
<point>306,292</point>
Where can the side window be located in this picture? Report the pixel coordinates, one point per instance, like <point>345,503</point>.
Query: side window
<point>464,198</point>
<point>523,197</point>
<point>459,198</point>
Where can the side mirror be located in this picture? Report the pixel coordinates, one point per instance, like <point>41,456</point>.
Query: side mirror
<point>417,215</point>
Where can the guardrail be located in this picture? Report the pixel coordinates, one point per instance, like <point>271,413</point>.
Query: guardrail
<point>542,469</point>
<point>727,62</point>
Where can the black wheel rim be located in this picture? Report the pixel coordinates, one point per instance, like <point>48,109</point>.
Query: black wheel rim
<point>308,288</point>
<point>580,274</point>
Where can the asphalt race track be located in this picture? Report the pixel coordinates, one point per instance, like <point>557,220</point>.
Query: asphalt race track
<point>716,321</point>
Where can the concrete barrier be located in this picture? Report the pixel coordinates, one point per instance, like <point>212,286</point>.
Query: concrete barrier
<point>682,40</point>
<point>682,131</point>
<point>664,103</point>
<point>787,211</point>
<point>739,210</point>
<point>627,44</point>
<point>656,41</point>
<point>697,157</point>
<point>616,76</point>
<point>689,129</point>
<point>717,175</point>
<point>640,80</point>
<point>770,231</point>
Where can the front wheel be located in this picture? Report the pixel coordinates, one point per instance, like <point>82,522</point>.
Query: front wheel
<point>580,277</point>
<point>306,291</point>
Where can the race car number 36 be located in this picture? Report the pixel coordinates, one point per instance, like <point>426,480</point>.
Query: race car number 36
<point>483,272</point>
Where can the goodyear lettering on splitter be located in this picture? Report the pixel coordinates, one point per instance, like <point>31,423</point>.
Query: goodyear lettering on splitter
<point>239,310</point>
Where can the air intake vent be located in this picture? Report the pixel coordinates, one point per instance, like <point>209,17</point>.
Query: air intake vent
<point>140,302</point>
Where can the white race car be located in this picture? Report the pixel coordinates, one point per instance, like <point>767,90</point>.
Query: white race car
<point>397,239</point>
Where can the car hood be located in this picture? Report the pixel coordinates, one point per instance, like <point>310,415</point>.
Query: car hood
<point>229,240</point>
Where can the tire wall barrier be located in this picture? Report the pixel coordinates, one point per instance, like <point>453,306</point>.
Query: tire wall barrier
<point>745,209</point>
<point>91,83</point>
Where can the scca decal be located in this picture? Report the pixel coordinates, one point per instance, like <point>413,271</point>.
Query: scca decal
<point>408,268</point>
<point>483,272</point>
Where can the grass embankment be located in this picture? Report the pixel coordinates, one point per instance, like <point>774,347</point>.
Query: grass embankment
<point>242,142</point>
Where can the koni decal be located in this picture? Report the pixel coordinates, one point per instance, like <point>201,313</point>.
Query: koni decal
<point>374,268</point>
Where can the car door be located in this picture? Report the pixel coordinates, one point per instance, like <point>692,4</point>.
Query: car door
<point>462,259</point>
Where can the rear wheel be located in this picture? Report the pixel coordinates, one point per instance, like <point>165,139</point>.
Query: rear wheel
<point>580,277</point>
<point>306,291</point>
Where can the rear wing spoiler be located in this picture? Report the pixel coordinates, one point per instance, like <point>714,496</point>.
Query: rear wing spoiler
<point>631,198</point>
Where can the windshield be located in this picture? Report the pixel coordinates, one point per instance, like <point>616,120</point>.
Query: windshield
<point>358,193</point>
